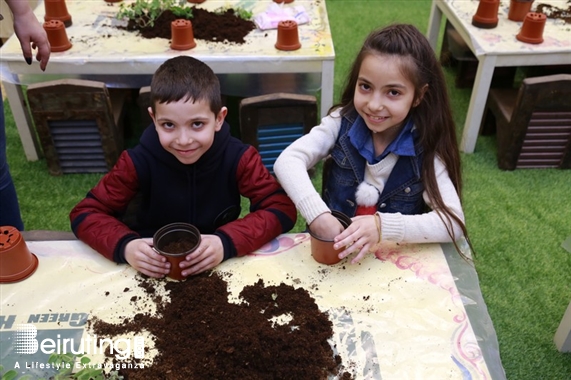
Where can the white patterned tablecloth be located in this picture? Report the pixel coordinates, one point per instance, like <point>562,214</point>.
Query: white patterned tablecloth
<point>398,314</point>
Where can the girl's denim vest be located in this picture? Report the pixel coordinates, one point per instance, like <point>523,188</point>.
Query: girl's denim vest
<point>402,192</point>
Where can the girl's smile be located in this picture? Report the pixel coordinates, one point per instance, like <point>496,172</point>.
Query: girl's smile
<point>383,95</point>
<point>371,119</point>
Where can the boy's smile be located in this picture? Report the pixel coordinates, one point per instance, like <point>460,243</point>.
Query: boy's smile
<point>186,128</point>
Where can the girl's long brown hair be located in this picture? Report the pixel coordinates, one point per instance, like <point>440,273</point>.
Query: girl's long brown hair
<point>432,116</point>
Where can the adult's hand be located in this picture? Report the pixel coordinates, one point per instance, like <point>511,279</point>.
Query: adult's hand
<point>30,33</point>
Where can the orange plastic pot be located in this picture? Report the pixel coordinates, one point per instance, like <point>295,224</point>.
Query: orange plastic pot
<point>57,35</point>
<point>57,10</point>
<point>518,9</point>
<point>487,14</point>
<point>532,28</point>
<point>322,249</point>
<point>288,36</point>
<point>184,236</point>
<point>182,36</point>
<point>16,261</point>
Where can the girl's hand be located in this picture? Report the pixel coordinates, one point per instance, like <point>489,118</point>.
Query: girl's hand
<point>141,256</point>
<point>362,236</point>
<point>326,226</point>
<point>209,254</point>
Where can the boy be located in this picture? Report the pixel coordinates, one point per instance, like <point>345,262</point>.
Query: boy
<point>186,168</point>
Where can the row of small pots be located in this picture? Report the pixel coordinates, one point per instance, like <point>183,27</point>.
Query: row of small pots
<point>533,23</point>
<point>182,35</point>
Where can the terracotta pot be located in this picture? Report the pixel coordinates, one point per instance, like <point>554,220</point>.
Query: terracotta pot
<point>487,14</point>
<point>175,241</point>
<point>57,35</point>
<point>322,249</point>
<point>16,261</point>
<point>532,29</point>
<point>196,1</point>
<point>283,1</point>
<point>182,35</point>
<point>518,9</point>
<point>113,1</point>
<point>288,37</point>
<point>57,10</point>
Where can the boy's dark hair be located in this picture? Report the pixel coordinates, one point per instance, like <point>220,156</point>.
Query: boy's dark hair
<point>184,77</point>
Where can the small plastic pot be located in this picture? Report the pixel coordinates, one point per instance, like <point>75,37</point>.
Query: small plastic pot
<point>57,35</point>
<point>487,14</point>
<point>57,10</point>
<point>182,36</point>
<point>518,9</point>
<point>174,241</point>
<point>532,28</point>
<point>16,261</point>
<point>288,36</point>
<point>322,249</point>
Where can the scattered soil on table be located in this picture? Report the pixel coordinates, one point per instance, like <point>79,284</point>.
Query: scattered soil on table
<point>209,26</point>
<point>551,11</point>
<point>277,332</point>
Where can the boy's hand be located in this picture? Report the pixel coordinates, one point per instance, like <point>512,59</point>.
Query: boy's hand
<point>209,254</point>
<point>326,226</point>
<point>141,256</point>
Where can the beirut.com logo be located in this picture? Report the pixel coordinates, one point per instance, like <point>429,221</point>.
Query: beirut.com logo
<point>26,342</point>
<point>25,339</point>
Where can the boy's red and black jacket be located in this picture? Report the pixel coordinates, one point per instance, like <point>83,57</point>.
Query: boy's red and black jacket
<point>206,194</point>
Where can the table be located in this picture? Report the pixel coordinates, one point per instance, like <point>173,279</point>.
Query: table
<point>411,311</point>
<point>563,334</point>
<point>101,51</point>
<point>497,47</point>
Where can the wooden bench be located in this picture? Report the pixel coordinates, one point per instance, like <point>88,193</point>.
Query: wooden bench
<point>271,122</point>
<point>532,123</point>
<point>79,124</point>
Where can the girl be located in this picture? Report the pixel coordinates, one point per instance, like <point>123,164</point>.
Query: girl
<point>392,152</point>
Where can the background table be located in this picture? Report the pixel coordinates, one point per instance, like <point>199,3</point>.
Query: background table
<point>101,51</point>
<point>413,311</point>
<point>498,47</point>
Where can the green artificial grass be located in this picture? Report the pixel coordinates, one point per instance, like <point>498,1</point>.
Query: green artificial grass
<point>45,200</point>
<point>517,220</point>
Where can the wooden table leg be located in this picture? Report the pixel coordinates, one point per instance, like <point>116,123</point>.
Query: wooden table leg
<point>24,123</point>
<point>563,334</point>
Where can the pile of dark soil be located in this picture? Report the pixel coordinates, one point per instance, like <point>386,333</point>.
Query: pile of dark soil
<point>199,334</point>
<point>209,26</point>
<point>551,11</point>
